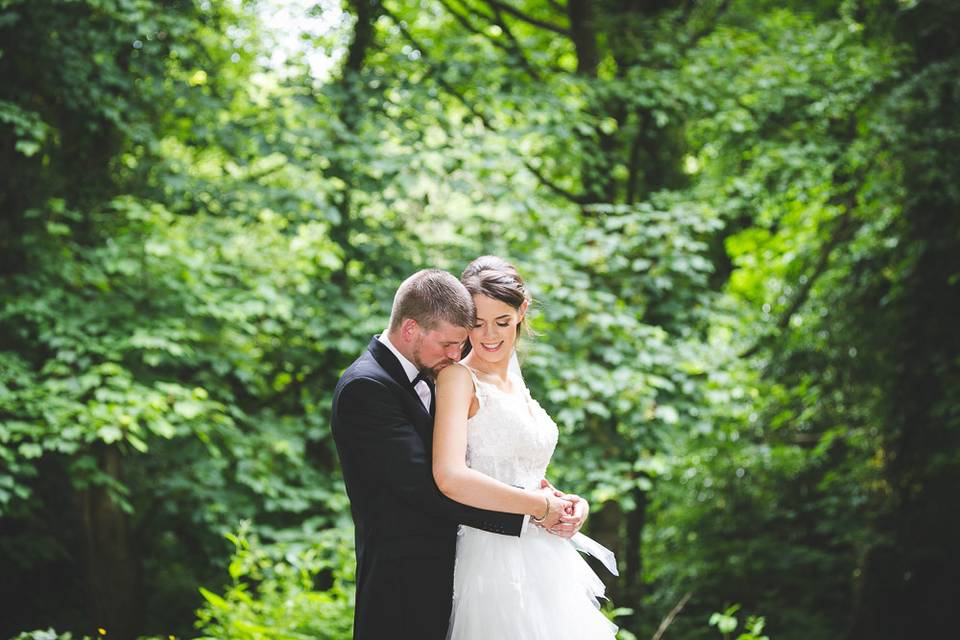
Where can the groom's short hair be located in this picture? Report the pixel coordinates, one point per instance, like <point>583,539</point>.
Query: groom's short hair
<point>431,296</point>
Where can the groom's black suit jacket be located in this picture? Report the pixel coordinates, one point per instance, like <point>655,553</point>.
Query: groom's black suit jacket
<point>406,530</point>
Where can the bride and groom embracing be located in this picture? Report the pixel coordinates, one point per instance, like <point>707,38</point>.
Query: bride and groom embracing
<point>434,430</point>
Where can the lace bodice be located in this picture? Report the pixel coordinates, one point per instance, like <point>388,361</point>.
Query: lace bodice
<point>510,438</point>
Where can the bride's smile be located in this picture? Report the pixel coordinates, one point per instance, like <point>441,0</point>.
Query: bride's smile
<point>491,347</point>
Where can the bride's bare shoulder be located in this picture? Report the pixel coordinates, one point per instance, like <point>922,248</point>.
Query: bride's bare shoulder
<point>455,375</point>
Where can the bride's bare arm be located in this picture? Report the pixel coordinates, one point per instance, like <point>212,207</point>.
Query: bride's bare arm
<point>450,471</point>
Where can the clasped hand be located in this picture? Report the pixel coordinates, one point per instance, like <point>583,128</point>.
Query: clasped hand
<point>567,511</point>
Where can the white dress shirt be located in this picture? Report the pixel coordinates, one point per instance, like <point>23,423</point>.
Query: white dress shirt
<point>422,389</point>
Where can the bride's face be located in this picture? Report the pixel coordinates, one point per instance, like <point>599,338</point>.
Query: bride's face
<point>495,330</point>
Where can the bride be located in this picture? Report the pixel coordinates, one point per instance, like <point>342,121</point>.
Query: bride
<point>491,439</point>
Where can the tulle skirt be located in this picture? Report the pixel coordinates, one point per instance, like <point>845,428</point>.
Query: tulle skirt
<point>535,587</point>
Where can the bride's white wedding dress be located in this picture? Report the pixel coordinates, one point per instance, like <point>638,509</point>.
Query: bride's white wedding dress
<point>528,588</point>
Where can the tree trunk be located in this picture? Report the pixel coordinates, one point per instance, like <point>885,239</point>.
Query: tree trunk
<point>632,577</point>
<point>112,571</point>
<point>350,107</point>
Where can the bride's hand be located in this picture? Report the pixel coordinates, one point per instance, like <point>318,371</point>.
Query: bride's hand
<point>545,484</point>
<point>556,510</point>
<point>570,522</point>
<point>575,513</point>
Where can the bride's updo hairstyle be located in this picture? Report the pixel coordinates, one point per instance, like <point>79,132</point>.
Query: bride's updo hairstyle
<point>497,279</point>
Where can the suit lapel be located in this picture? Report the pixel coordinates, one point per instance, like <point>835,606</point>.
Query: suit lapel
<point>394,369</point>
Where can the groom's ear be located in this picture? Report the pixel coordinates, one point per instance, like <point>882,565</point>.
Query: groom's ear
<point>409,329</point>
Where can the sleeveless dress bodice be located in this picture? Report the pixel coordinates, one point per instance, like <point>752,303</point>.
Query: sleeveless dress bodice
<point>510,438</point>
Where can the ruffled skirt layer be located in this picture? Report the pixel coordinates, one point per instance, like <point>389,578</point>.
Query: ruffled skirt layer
<point>535,587</point>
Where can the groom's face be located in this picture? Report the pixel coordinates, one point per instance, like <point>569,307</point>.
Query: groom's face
<point>439,347</point>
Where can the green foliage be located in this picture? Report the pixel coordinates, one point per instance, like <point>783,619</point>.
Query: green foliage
<point>274,590</point>
<point>726,623</point>
<point>605,364</point>
<point>119,324</point>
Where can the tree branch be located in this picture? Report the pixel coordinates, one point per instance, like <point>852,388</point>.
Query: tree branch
<point>703,31</point>
<point>497,19</point>
<point>845,228</point>
<point>518,49</point>
<point>560,191</point>
<point>514,50</point>
<point>584,37</point>
<point>633,161</point>
<point>449,88</point>
<point>843,232</point>
<point>516,13</point>
<point>668,620</point>
<point>363,34</point>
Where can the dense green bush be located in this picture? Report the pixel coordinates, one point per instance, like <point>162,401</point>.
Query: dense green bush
<point>295,589</point>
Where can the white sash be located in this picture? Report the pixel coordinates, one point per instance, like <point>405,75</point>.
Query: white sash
<point>593,548</point>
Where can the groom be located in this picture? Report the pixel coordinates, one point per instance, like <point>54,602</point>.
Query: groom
<point>382,423</point>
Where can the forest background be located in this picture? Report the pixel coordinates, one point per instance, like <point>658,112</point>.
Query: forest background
<point>739,220</point>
